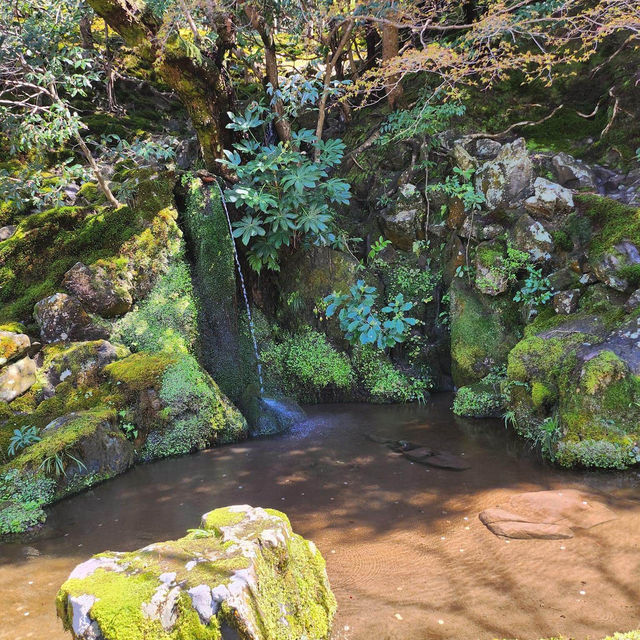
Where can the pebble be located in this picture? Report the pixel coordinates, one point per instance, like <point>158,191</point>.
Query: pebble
<point>398,616</point>
<point>583,593</point>
<point>440,621</point>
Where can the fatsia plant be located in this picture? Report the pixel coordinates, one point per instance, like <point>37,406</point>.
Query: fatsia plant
<point>284,194</point>
<point>363,323</point>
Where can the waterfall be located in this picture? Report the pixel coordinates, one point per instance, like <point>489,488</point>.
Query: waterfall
<point>244,290</point>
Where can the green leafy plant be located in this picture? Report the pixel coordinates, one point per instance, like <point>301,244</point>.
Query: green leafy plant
<point>22,438</point>
<point>460,185</point>
<point>363,324</point>
<point>536,289</point>
<point>57,463</point>
<point>286,196</point>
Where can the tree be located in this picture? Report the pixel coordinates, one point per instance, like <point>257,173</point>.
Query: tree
<point>191,65</point>
<point>42,68</point>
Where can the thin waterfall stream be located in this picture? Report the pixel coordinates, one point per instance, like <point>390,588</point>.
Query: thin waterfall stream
<point>244,289</point>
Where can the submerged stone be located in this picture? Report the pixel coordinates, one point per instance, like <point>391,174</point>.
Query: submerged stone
<point>243,574</point>
<point>547,515</point>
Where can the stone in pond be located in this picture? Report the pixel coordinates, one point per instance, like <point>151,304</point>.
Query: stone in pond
<point>439,459</point>
<point>546,515</point>
<point>243,574</point>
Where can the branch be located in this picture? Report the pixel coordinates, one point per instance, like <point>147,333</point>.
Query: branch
<point>516,125</point>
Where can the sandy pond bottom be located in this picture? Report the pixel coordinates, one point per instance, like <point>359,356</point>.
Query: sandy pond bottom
<point>407,557</point>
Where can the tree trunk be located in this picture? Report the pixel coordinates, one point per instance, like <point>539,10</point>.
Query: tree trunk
<point>390,49</point>
<point>199,82</point>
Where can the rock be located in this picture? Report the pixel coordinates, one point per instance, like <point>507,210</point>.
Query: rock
<point>456,214</point>
<point>80,363</point>
<point>97,442</point>
<point>572,173</point>
<point>491,276</point>
<point>482,333</point>
<point>418,454</point>
<point>401,223</point>
<point>566,302</point>
<point>608,268</point>
<point>549,199</point>
<point>177,404</point>
<point>484,399</point>
<point>107,294</point>
<point>7,232</point>
<point>529,235</point>
<point>273,415</point>
<point>487,149</point>
<point>481,228</point>
<point>633,302</point>
<point>12,346</point>
<point>462,157</point>
<point>244,572</point>
<point>564,278</point>
<point>546,515</point>
<point>508,179</point>
<point>16,379</point>
<point>61,317</point>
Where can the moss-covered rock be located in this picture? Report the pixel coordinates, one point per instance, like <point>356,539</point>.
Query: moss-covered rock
<point>574,389</point>
<point>176,405</point>
<point>242,573</point>
<point>484,399</point>
<point>483,331</point>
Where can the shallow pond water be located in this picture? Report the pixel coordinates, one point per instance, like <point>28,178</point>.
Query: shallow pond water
<point>407,557</point>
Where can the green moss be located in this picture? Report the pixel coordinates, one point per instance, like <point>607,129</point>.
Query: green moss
<point>308,367</point>
<point>79,426</point>
<point>223,517</point>
<point>166,320</point>
<point>615,222</point>
<point>381,381</point>
<point>22,496</point>
<point>482,333</point>
<point>483,399</point>
<point>601,371</point>
<point>541,395</point>
<point>228,355</point>
<point>140,371</point>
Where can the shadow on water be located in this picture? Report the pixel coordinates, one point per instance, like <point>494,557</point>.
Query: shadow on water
<point>406,554</point>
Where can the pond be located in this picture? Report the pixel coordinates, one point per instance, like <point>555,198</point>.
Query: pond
<point>407,556</point>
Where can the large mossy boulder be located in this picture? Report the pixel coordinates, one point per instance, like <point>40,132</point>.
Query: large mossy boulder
<point>483,331</point>
<point>575,390</point>
<point>484,399</point>
<point>243,574</point>
<point>175,404</point>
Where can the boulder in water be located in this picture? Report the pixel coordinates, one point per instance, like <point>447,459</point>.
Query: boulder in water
<point>276,415</point>
<point>546,515</point>
<point>243,574</point>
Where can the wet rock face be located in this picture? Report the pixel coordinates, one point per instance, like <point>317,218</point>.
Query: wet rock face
<point>243,574</point>
<point>62,317</point>
<point>507,179</point>
<point>546,515</point>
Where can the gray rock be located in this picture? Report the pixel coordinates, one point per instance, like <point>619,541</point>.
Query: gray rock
<point>487,149</point>
<point>530,236</point>
<point>7,232</point>
<point>566,302</point>
<point>572,173</point>
<point>508,179</point>
<point>633,302</point>
<point>462,157</point>
<point>401,223</point>
<point>16,379</point>
<point>62,317</point>
<point>549,199</point>
<point>107,294</point>
<point>564,278</point>
<point>607,268</point>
